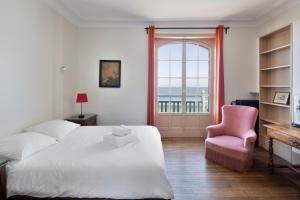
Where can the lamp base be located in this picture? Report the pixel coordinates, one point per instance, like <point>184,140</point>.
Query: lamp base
<point>80,116</point>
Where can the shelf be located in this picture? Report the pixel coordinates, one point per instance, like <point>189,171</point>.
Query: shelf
<point>275,86</point>
<point>275,49</point>
<point>275,67</point>
<point>269,120</point>
<point>275,104</point>
<point>267,36</point>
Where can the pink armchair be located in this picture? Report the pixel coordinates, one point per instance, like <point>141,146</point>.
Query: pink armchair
<point>231,143</point>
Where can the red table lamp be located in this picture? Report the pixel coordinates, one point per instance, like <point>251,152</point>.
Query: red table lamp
<point>81,98</point>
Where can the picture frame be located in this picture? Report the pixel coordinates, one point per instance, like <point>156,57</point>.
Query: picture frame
<point>281,98</point>
<point>110,73</point>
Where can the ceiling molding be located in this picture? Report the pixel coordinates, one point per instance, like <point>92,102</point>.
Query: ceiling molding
<point>273,11</point>
<point>96,24</point>
<point>165,23</point>
<point>277,11</point>
<point>269,9</point>
<point>63,11</point>
<point>164,19</point>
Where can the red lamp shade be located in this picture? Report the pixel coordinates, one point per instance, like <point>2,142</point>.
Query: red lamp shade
<point>81,98</point>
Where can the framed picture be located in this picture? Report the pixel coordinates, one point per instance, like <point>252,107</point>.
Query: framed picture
<point>110,73</point>
<point>281,97</point>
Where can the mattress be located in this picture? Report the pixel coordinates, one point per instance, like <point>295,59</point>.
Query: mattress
<point>83,166</point>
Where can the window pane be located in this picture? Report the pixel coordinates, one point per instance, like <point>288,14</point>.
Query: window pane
<point>176,95</point>
<point>176,104</point>
<point>203,103</point>
<point>204,91</point>
<point>191,87</point>
<point>203,53</point>
<point>191,94</point>
<point>170,77</point>
<point>163,104</point>
<point>203,68</point>
<point>164,98</point>
<point>176,51</point>
<point>191,52</point>
<point>163,86</point>
<point>191,69</point>
<point>175,86</point>
<point>163,69</point>
<point>176,69</point>
<point>191,83</point>
<point>163,52</point>
<point>203,83</point>
<point>163,94</point>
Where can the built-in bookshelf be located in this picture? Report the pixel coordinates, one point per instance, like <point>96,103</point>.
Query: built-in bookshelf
<point>275,76</point>
<point>275,67</point>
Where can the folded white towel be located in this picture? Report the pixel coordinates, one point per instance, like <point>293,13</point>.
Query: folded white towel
<point>121,131</point>
<point>120,141</point>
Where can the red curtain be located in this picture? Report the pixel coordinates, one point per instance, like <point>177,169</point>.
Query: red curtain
<point>151,76</point>
<point>219,75</point>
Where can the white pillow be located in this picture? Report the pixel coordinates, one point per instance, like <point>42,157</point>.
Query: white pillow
<point>22,145</point>
<point>54,128</point>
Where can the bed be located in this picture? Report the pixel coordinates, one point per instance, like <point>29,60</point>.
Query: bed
<point>82,166</point>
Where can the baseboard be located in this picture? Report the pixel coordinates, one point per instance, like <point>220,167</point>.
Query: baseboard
<point>183,133</point>
<point>183,138</point>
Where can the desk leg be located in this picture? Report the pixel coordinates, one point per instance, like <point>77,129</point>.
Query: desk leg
<point>271,161</point>
<point>3,183</point>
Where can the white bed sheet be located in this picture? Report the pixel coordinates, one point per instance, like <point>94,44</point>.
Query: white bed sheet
<point>83,166</point>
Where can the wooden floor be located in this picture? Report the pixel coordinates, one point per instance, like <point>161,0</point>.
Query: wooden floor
<point>194,178</point>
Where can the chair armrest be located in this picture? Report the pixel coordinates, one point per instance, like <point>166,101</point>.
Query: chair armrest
<point>215,130</point>
<point>249,138</point>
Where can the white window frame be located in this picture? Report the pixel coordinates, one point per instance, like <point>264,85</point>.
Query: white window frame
<point>184,42</point>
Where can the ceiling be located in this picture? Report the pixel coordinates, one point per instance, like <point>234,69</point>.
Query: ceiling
<point>170,10</point>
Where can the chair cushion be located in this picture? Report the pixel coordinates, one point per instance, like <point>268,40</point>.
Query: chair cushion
<point>228,145</point>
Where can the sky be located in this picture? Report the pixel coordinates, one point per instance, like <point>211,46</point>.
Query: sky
<point>170,65</point>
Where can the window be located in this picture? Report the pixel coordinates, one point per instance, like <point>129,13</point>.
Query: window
<point>183,78</point>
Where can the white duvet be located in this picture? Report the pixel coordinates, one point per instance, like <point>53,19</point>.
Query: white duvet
<point>83,166</point>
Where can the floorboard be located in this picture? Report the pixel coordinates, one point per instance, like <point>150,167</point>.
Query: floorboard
<point>195,178</point>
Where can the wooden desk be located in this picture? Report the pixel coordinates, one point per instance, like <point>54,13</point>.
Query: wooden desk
<point>286,134</point>
<point>3,179</point>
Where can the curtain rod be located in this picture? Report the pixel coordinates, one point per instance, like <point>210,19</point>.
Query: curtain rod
<point>187,28</point>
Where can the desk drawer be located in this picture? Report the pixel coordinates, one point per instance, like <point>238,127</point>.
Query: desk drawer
<point>282,137</point>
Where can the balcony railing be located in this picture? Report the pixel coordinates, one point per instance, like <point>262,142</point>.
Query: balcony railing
<point>175,106</point>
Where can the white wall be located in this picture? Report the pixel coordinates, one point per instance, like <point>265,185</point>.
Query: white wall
<point>128,104</point>
<point>240,63</point>
<point>67,55</point>
<point>28,38</point>
<point>125,105</point>
<point>36,42</point>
